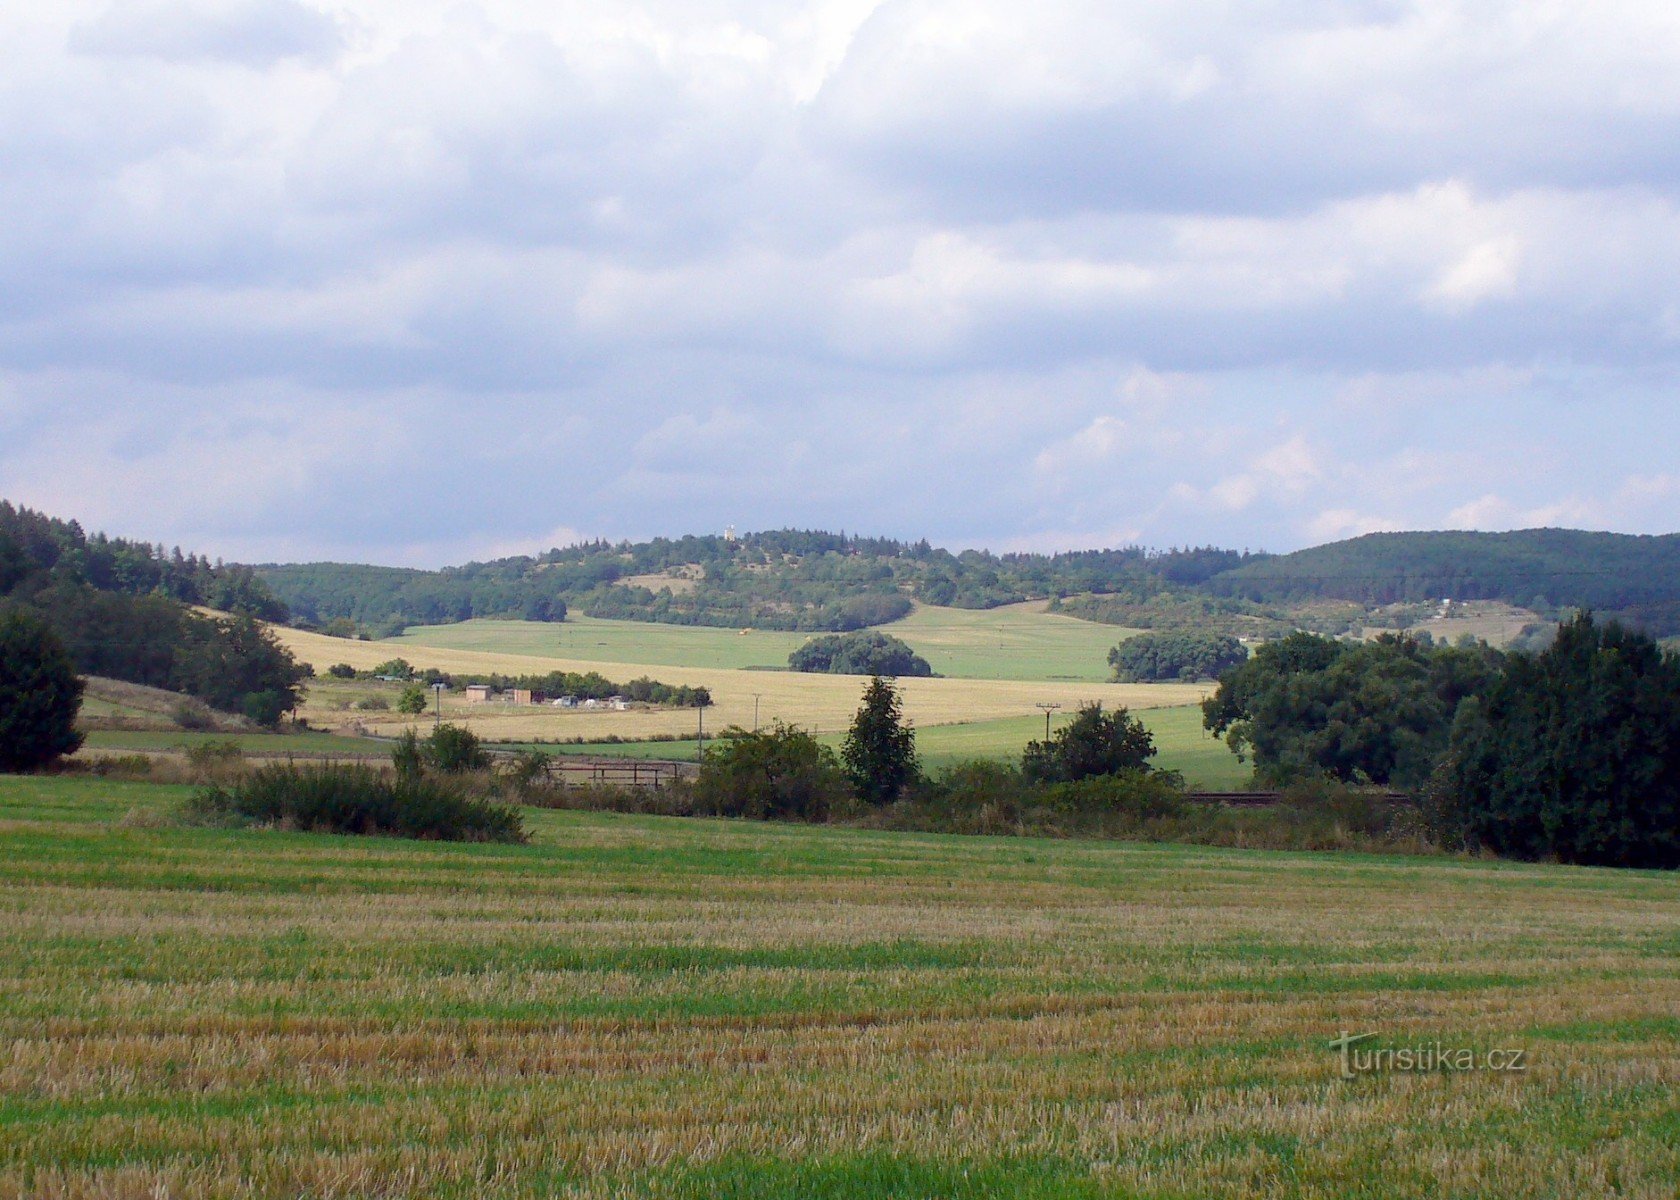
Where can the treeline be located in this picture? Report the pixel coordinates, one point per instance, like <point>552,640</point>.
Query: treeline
<point>121,610</point>
<point>383,601</point>
<point>1161,657</point>
<point>798,580</point>
<point>835,582</point>
<point>1633,578</point>
<point>38,551</point>
<point>1572,753</point>
<point>551,685</point>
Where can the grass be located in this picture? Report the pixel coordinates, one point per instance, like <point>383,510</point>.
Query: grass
<point>821,702</point>
<point>1018,642</point>
<point>277,744</point>
<point>638,1007</point>
<point>1181,744</point>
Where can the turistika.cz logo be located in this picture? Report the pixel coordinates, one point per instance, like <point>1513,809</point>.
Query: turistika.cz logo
<point>1431,1056</point>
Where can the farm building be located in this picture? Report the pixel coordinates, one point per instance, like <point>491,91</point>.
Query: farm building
<point>478,693</point>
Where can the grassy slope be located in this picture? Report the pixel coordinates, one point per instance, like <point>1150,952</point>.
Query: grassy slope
<point>645,1007</point>
<point>823,702</point>
<point>1018,642</point>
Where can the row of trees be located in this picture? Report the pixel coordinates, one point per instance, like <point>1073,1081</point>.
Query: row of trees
<point>1571,753</point>
<point>1159,657</point>
<point>785,773</point>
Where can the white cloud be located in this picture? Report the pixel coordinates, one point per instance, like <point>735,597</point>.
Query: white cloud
<point>979,270</point>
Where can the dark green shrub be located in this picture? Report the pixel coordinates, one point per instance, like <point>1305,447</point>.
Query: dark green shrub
<point>373,704</point>
<point>342,671</point>
<point>1093,743</point>
<point>407,757</point>
<point>266,708</point>
<point>412,702</point>
<point>335,798</point>
<point>1133,795</point>
<point>454,749</point>
<point>782,773</point>
<point>40,695</point>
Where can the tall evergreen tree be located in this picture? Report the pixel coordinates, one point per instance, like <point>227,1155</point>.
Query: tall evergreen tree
<point>880,749</point>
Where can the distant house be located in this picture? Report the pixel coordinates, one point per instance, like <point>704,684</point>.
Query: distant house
<point>478,693</point>
<point>520,695</point>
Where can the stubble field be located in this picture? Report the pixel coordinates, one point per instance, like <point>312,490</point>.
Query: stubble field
<point>652,1007</point>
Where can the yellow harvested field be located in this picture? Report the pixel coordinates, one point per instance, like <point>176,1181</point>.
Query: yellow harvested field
<point>821,702</point>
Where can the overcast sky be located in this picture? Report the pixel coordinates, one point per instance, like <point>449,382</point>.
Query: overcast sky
<point>415,282</point>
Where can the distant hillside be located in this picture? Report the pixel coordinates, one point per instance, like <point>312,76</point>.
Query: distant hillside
<point>1634,577</point>
<point>125,610</point>
<point>781,579</point>
<point>833,582</point>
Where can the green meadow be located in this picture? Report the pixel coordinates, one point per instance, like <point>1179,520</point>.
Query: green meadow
<point>1018,642</point>
<point>647,1007</point>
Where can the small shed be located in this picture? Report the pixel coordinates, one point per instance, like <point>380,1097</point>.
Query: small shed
<point>478,693</point>
<point>520,695</point>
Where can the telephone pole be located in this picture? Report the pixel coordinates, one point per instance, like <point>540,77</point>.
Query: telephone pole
<point>1048,709</point>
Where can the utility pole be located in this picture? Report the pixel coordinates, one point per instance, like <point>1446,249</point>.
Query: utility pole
<point>756,695</point>
<point>437,710</point>
<point>700,746</point>
<point>1048,709</point>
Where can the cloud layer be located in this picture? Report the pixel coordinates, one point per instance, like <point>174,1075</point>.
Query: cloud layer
<point>423,281</point>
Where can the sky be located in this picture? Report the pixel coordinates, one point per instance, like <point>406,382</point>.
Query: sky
<point>418,282</point>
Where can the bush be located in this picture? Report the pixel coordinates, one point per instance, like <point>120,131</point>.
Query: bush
<point>412,702</point>
<point>193,715</point>
<point>1093,743</point>
<point>214,756</point>
<point>334,798</point>
<point>373,704</point>
<point>266,708</point>
<point>342,671</point>
<point>783,773</point>
<point>1575,753</point>
<point>40,695</point>
<point>454,749</point>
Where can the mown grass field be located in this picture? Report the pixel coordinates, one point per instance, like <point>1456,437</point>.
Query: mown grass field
<point>634,1007</point>
<point>1021,642</point>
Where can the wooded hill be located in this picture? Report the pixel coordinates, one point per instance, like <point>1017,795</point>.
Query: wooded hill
<point>819,581</point>
<point>123,610</point>
<point>780,579</point>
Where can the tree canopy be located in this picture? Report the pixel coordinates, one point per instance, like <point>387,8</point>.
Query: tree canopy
<point>1574,753</point>
<point>867,652</point>
<point>880,748</point>
<point>39,695</point>
<point>1093,743</point>
<point>1158,657</point>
